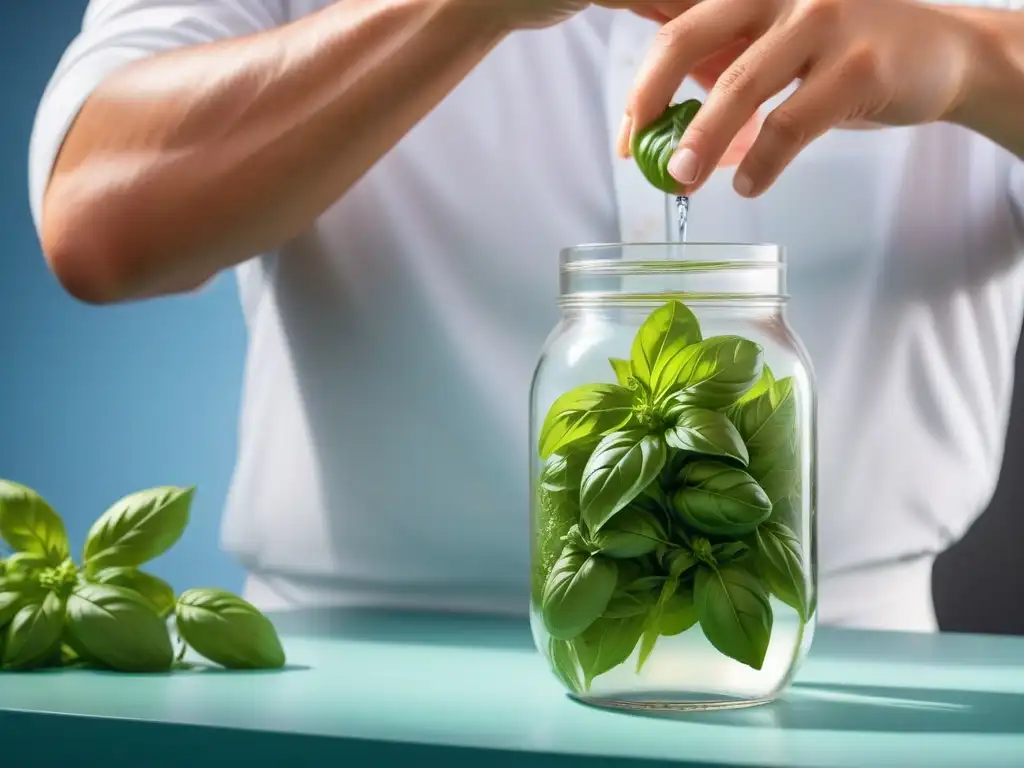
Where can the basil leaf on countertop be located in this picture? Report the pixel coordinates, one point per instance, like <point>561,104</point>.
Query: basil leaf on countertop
<point>158,592</point>
<point>138,528</point>
<point>15,594</point>
<point>33,636</point>
<point>29,524</point>
<point>228,630</point>
<point>116,628</point>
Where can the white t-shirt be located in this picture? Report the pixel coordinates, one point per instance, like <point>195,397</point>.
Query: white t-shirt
<point>383,450</point>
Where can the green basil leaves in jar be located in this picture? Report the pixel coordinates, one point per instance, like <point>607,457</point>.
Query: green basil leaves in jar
<point>673,478</point>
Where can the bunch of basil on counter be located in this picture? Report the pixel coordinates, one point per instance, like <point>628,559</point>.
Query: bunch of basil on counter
<point>667,500</point>
<point>108,613</point>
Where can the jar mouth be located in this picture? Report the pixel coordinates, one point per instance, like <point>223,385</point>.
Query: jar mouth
<point>635,273</point>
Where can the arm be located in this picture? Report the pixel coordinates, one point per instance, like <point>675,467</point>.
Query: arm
<point>992,102</point>
<point>194,160</point>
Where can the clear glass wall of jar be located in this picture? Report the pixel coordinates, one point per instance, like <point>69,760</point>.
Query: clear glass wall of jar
<point>673,479</point>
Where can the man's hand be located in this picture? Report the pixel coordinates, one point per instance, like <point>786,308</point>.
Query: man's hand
<point>895,62</point>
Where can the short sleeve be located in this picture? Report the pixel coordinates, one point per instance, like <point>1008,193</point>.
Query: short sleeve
<point>119,32</point>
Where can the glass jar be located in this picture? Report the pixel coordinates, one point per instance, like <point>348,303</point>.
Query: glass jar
<point>673,479</point>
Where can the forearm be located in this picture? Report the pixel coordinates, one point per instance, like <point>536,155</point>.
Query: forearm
<point>992,100</point>
<point>190,162</point>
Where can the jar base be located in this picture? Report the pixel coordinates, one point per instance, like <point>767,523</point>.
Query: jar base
<point>669,702</point>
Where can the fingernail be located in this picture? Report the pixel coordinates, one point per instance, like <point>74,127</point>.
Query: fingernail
<point>625,135</point>
<point>683,166</point>
<point>743,185</point>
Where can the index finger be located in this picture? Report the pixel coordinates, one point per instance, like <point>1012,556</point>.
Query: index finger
<point>692,37</point>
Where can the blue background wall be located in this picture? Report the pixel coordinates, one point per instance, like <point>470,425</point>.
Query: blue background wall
<point>98,402</point>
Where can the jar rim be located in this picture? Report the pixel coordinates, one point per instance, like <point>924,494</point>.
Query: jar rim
<point>628,273</point>
<point>690,251</point>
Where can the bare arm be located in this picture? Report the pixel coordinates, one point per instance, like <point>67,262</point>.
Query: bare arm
<point>192,161</point>
<point>993,100</point>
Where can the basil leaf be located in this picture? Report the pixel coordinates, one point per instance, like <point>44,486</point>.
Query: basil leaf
<point>786,511</point>
<point>623,372</point>
<point>659,343</point>
<point>574,539</point>
<point>591,410</point>
<point>678,562</point>
<point>227,630</point>
<point>633,532</point>
<point>576,593</point>
<point>563,473</point>
<point>734,613</point>
<point>707,432</point>
<point>652,148</point>
<point>729,552</point>
<point>33,636</point>
<point>138,528</point>
<point>680,612</point>
<point>15,594</point>
<point>562,658</point>
<point>653,623</point>
<point>557,510</point>
<point>606,644</point>
<point>720,500</point>
<point>716,372</point>
<point>27,564</point>
<point>114,627</point>
<point>154,589</point>
<point>625,604</point>
<point>622,465</point>
<point>635,594</point>
<point>780,562</point>
<point>764,384</point>
<point>768,425</point>
<point>69,656</point>
<point>29,524</point>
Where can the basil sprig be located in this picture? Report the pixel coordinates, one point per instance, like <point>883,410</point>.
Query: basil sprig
<point>109,613</point>
<point>669,500</point>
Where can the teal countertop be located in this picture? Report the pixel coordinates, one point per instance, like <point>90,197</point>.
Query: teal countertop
<point>383,689</point>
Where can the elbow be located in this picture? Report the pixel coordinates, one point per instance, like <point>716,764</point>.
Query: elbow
<point>83,246</point>
<point>98,262</point>
<point>84,265</point>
